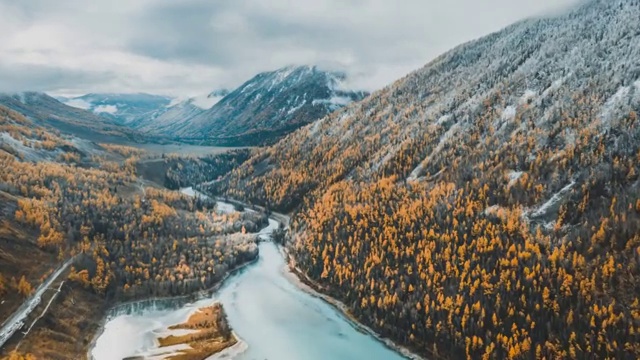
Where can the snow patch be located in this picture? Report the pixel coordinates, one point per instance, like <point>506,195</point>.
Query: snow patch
<point>608,110</point>
<point>514,176</point>
<point>527,96</point>
<point>495,210</point>
<point>414,174</point>
<point>294,109</point>
<point>509,113</point>
<point>443,119</point>
<point>315,127</point>
<point>554,86</point>
<point>225,208</point>
<point>443,139</point>
<point>109,109</point>
<point>556,198</point>
<point>280,76</point>
<point>27,152</point>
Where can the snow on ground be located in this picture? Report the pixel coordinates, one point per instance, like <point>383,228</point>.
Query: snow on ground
<point>414,174</point>
<point>557,197</point>
<point>443,139</point>
<point>79,103</point>
<point>86,146</point>
<point>509,113</point>
<point>315,127</point>
<point>384,159</point>
<point>496,210</point>
<point>554,86</point>
<point>29,154</point>
<point>280,76</point>
<point>188,191</point>
<point>109,109</point>
<point>443,119</point>
<point>613,103</point>
<point>225,208</point>
<point>514,176</point>
<point>294,109</point>
<point>528,95</point>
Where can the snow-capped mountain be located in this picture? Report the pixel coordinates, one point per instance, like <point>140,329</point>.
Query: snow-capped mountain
<point>125,109</point>
<point>506,169</point>
<point>262,110</point>
<point>180,110</point>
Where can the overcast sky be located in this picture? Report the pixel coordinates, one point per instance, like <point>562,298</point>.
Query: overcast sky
<point>190,47</point>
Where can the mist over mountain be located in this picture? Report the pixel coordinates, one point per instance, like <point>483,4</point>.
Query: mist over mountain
<point>262,110</point>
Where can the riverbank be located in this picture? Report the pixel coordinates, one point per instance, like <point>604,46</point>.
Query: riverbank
<point>297,277</point>
<point>302,281</point>
<point>205,333</point>
<point>300,321</point>
<point>115,309</point>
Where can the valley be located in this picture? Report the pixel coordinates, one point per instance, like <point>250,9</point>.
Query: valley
<point>284,322</point>
<point>483,206</point>
<point>91,207</point>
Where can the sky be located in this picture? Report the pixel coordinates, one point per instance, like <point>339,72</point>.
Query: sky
<point>191,47</point>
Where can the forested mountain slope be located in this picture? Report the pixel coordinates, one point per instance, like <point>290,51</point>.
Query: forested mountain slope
<point>63,198</point>
<point>262,110</point>
<point>495,191</point>
<point>47,111</point>
<point>178,112</point>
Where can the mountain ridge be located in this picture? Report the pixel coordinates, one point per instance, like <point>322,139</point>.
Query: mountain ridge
<point>48,111</point>
<point>262,109</point>
<point>126,109</point>
<point>495,190</point>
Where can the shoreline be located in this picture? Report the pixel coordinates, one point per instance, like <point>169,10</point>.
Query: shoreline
<point>200,294</point>
<point>232,351</point>
<point>296,276</point>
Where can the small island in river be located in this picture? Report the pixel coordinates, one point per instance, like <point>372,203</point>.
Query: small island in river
<point>205,333</point>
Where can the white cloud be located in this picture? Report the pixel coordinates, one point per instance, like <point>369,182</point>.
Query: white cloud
<point>79,103</point>
<point>194,46</point>
<point>109,109</point>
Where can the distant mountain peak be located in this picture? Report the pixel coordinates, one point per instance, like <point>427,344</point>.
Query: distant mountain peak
<point>219,92</point>
<point>263,109</point>
<point>124,108</point>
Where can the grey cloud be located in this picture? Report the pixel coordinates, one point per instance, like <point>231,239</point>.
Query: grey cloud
<point>226,42</point>
<point>18,78</point>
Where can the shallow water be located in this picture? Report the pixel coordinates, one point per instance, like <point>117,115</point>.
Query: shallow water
<point>276,320</point>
